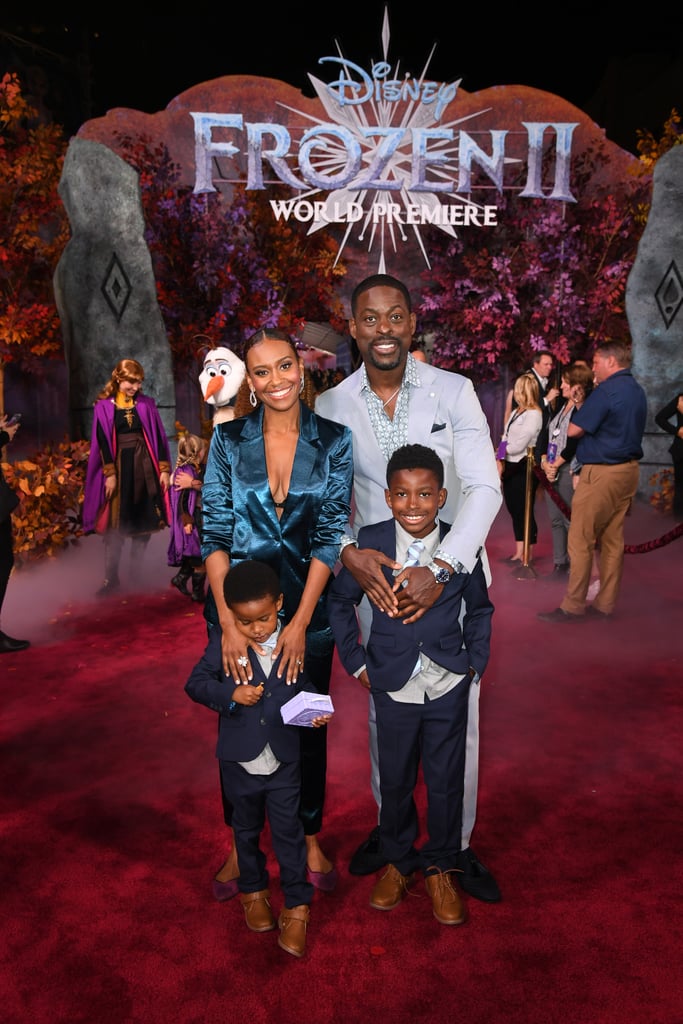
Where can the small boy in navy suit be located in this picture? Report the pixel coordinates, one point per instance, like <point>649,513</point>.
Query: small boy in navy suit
<point>259,755</point>
<point>419,674</point>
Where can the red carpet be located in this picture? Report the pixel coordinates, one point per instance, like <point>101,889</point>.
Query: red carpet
<point>111,823</point>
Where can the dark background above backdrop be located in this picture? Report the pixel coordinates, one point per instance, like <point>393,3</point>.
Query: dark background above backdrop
<point>625,70</point>
<point>625,73</point>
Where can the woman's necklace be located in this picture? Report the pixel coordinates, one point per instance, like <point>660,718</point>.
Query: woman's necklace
<point>127,404</point>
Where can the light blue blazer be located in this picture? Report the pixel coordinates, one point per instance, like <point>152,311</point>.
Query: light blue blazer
<point>444,413</point>
<point>239,514</point>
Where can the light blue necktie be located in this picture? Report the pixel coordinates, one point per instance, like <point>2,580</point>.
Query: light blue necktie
<point>413,553</point>
<point>412,557</point>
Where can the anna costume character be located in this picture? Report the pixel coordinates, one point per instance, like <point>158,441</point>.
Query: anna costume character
<point>127,478</point>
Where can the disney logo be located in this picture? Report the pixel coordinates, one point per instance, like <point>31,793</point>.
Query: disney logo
<point>378,86</point>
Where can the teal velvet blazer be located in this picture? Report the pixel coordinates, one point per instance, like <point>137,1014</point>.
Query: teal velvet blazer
<point>239,514</point>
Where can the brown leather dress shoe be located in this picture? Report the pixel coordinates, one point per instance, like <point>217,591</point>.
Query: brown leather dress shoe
<point>257,912</point>
<point>448,907</point>
<point>292,924</point>
<point>390,889</point>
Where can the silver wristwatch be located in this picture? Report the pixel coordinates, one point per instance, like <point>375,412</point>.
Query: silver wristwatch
<point>439,572</point>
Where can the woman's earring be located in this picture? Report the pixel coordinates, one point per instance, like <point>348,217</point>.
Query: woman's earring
<point>252,398</point>
<point>302,384</point>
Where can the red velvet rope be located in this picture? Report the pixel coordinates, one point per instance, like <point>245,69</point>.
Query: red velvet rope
<point>629,549</point>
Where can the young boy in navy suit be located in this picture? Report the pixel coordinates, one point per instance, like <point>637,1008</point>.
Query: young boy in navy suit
<point>259,755</point>
<point>419,675</point>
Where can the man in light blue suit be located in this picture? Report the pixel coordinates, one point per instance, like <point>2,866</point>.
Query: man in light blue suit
<point>390,401</point>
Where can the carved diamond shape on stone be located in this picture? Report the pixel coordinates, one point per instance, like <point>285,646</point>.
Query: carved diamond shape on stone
<point>116,287</point>
<point>669,294</point>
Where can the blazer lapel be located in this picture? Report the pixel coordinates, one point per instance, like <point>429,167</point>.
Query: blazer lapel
<point>252,461</point>
<point>259,675</point>
<point>306,455</point>
<point>388,538</point>
<point>253,458</point>
<point>386,542</point>
<point>424,404</point>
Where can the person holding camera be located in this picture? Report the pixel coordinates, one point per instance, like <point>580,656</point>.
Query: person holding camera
<point>8,502</point>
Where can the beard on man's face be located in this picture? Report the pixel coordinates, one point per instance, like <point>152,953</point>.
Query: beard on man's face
<point>388,361</point>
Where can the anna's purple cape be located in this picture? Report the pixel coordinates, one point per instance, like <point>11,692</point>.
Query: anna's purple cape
<point>155,439</point>
<point>183,545</point>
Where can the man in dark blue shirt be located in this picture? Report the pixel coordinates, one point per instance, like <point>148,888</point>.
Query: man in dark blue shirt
<point>610,426</point>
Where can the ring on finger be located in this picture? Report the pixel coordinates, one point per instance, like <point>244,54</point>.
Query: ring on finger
<point>298,661</point>
<point>242,661</point>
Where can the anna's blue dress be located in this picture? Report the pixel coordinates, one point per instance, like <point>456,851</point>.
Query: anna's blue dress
<point>240,518</point>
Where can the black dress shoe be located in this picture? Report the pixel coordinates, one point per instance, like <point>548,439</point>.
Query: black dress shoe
<point>560,572</point>
<point>560,615</point>
<point>8,644</point>
<point>179,581</point>
<point>476,879</point>
<point>595,613</point>
<point>368,858</point>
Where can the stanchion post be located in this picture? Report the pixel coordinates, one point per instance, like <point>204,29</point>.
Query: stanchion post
<point>525,571</point>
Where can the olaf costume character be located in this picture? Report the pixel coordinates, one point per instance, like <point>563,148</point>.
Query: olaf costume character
<point>220,379</point>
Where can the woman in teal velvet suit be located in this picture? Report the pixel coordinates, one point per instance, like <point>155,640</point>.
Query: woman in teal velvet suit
<point>277,488</point>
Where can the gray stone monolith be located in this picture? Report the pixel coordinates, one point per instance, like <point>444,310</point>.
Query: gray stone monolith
<point>654,307</point>
<point>104,285</point>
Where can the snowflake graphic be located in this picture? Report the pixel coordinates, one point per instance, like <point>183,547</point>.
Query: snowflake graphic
<point>380,226</point>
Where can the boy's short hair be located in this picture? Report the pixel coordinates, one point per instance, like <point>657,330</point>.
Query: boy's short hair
<point>250,581</point>
<point>415,456</point>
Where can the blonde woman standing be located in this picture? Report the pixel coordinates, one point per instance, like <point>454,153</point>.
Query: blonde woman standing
<point>522,428</point>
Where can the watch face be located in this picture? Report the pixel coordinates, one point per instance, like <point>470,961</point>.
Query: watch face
<point>442,575</point>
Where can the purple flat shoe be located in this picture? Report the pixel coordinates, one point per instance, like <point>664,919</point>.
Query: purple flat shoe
<point>323,880</point>
<point>223,891</point>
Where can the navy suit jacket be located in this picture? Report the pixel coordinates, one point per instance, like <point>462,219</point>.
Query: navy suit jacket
<point>244,731</point>
<point>393,647</point>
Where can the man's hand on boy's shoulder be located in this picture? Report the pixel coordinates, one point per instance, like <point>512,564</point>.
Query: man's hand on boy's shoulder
<point>365,565</point>
<point>420,593</point>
